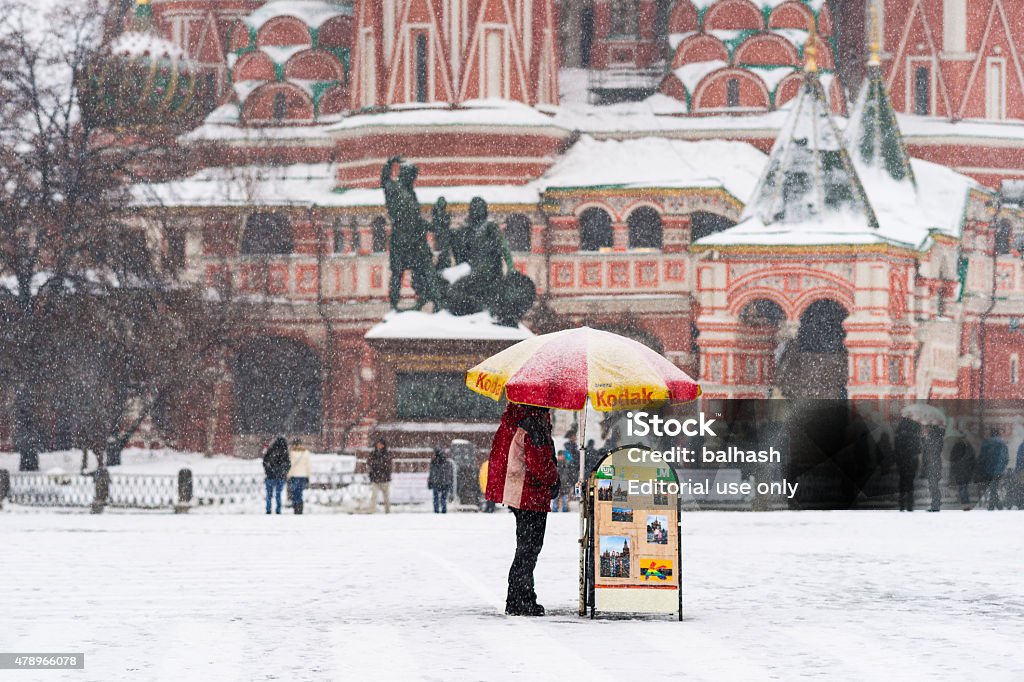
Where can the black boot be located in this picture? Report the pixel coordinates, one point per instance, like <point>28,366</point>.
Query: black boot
<point>533,609</point>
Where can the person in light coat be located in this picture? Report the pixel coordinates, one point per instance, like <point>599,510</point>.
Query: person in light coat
<point>298,474</point>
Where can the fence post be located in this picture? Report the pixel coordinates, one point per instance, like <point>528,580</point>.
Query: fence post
<point>5,485</point>
<point>184,492</point>
<point>102,479</point>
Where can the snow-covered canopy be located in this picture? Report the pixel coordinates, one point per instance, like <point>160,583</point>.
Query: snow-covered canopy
<point>443,325</point>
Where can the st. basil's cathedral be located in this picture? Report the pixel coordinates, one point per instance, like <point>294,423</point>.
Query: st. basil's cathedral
<point>785,197</point>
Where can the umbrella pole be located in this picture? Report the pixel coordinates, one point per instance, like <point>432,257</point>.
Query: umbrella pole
<point>582,487</point>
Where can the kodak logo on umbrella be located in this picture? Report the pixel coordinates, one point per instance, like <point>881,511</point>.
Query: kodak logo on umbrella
<point>488,385</point>
<point>609,400</point>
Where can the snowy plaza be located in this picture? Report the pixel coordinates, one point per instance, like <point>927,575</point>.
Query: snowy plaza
<point>789,595</point>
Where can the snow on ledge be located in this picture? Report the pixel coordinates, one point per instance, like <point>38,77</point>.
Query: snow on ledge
<point>415,324</point>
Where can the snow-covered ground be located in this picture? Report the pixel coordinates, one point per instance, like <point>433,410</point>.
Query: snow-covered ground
<point>791,595</point>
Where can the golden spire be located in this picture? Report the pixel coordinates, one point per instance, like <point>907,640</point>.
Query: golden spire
<point>876,38</point>
<point>811,48</point>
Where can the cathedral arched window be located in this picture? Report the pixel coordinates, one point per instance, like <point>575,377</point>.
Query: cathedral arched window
<point>625,18</point>
<point>645,229</point>
<point>595,230</point>
<point>517,232</point>
<point>1014,369</point>
<point>267,234</point>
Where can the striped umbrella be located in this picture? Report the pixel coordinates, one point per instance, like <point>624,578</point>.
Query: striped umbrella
<point>563,369</point>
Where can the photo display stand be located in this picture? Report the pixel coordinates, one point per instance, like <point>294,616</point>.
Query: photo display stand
<point>632,554</point>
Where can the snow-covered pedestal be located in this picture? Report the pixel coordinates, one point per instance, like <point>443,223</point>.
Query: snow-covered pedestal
<point>420,361</point>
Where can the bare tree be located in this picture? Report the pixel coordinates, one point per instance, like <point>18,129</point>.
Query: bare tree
<point>95,326</point>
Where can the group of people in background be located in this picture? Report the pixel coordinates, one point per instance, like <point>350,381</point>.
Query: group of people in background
<point>918,444</point>
<point>286,465</point>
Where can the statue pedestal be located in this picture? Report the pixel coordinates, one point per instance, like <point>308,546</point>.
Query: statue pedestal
<point>421,397</point>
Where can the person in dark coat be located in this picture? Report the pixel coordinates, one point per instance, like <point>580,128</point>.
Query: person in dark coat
<point>380,467</point>
<point>521,473</point>
<point>439,480</point>
<point>571,447</point>
<point>276,463</point>
<point>934,439</point>
<point>908,450</point>
<point>567,475</point>
<point>961,469</point>
<point>992,462</point>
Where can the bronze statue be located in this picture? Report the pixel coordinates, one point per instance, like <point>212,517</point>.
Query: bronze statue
<point>492,283</point>
<point>408,246</point>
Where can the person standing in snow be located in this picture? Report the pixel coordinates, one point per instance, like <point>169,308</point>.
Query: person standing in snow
<point>572,448</point>
<point>961,469</point>
<point>439,480</point>
<point>908,449</point>
<point>276,463</point>
<point>522,474</point>
<point>567,475</point>
<point>992,462</point>
<point>934,439</point>
<point>380,468</point>
<point>298,475</point>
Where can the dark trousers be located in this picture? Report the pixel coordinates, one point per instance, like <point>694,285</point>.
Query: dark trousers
<point>530,527</point>
<point>907,488</point>
<point>965,493</point>
<point>274,488</point>
<point>440,500</point>
<point>933,467</point>
<point>296,486</point>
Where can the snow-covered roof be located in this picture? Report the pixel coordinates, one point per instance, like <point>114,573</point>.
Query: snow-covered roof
<point>313,13</point>
<point>303,183</point>
<point>486,112</point>
<point>873,137</point>
<point>414,324</point>
<point>690,75</point>
<point>657,162</point>
<point>460,194</point>
<point>809,176</point>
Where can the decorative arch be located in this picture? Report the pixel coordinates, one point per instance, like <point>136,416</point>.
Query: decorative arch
<point>239,36</point>
<point>267,101</point>
<point>733,14</point>
<point>333,101</point>
<point>841,296</point>
<point>768,49</point>
<point>595,229</point>
<point>254,66</point>
<point>673,87</point>
<point>700,48</point>
<point>284,31</point>
<point>336,33</point>
<point>824,20</point>
<point>683,18</point>
<point>788,88</point>
<point>740,301</point>
<point>791,14</point>
<point>314,65</point>
<point>645,228</point>
<point>278,387</point>
<point>712,91</point>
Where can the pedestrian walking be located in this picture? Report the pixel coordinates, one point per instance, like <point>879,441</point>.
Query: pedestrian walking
<point>993,459</point>
<point>439,480</point>
<point>934,439</point>
<point>522,474</point>
<point>298,475</point>
<point>961,469</point>
<point>908,449</point>
<point>276,463</point>
<point>572,447</point>
<point>380,466</point>
<point>567,475</point>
